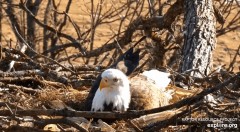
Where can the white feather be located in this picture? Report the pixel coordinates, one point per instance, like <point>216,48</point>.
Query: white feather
<point>210,99</point>
<point>118,94</point>
<point>98,101</point>
<point>161,79</point>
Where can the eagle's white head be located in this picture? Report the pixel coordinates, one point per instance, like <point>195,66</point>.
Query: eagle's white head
<point>113,90</point>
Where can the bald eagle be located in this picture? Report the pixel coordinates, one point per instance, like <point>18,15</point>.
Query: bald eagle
<point>144,91</point>
<point>113,92</point>
<point>126,63</point>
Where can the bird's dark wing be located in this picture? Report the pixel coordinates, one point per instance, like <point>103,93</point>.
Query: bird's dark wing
<point>131,61</point>
<point>92,92</point>
<point>129,52</point>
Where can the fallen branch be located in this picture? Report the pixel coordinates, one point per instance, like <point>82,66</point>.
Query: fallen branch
<point>145,120</point>
<point>21,73</point>
<point>52,74</point>
<point>25,89</point>
<point>161,124</point>
<point>78,67</point>
<point>78,123</point>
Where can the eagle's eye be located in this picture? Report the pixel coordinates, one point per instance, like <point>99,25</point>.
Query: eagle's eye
<point>105,80</point>
<point>115,79</point>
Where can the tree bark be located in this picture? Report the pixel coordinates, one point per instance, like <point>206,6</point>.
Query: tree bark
<point>33,7</point>
<point>46,33</point>
<point>199,37</point>
<point>13,20</point>
<point>1,16</point>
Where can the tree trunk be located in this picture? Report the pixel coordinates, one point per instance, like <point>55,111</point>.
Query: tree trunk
<point>47,34</point>
<point>1,16</point>
<point>199,37</point>
<point>13,20</point>
<point>33,7</point>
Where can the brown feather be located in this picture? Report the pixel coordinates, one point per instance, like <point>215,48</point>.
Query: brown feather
<point>145,94</point>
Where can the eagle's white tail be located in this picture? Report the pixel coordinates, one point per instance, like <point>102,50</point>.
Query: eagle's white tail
<point>161,79</point>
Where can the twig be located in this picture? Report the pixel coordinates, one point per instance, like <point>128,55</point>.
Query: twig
<point>155,22</point>
<point>77,123</point>
<point>235,93</point>
<point>146,120</point>
<point>9,108</point>
<point>172,120</point>
<point>234,59</point>
<point>218,15</point>
<point>141,66</point>
<point>135,126</point>
<point>45,57</point>
<point>151,8</point>
<point>223,110</point>
<point>59,48</point>
<point>78,67</point>
<point>118,46</point>
<point>21,73</point>
<point>25,89</point>
<point>105,48</point>
<point>23,48</point>
<point>23,6</point>
<point>103,58</point>
<point>52,74</point>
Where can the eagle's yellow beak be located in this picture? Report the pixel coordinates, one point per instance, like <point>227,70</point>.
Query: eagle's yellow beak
<point>103,84</point>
